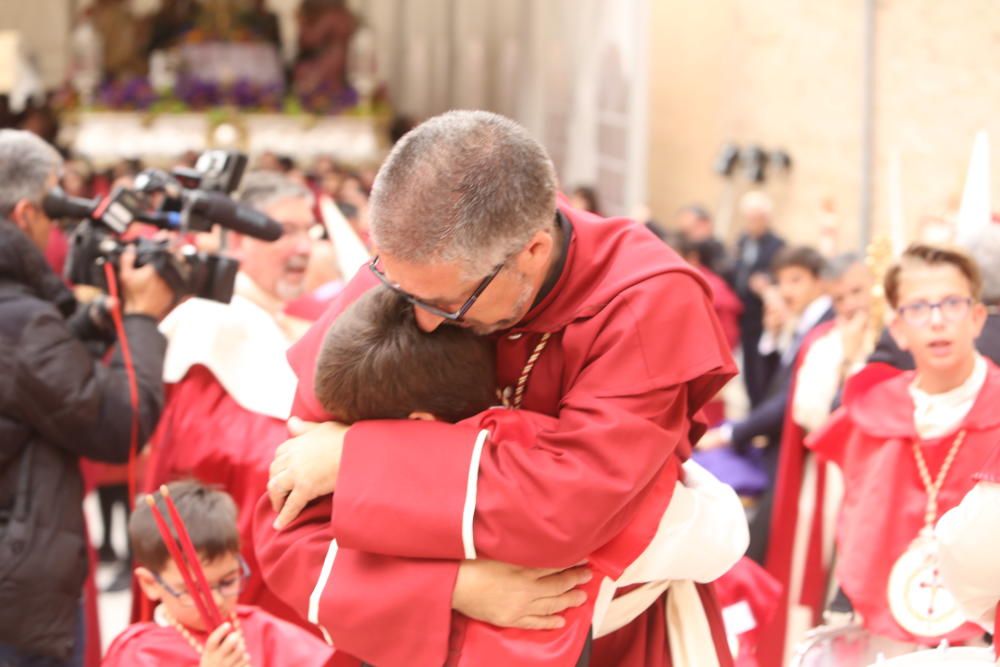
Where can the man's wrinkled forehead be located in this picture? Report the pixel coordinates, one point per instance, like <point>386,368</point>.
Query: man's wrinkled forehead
<point>435,281</point>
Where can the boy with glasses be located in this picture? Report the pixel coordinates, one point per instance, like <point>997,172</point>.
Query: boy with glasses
<point>909,444</point>
<point>177,636</point>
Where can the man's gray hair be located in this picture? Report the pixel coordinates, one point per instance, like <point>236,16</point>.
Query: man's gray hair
<point>984,247</point>
<point>470,187</point>
<point>260,189</point>
<point>26,163</point>
<point>841,264</point>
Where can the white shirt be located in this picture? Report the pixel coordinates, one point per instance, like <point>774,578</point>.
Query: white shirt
<point>936,415</point>
<point>810,317</point>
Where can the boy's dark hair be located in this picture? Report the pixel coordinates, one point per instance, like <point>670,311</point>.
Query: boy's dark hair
<point>208,513</point>
<point>802,257</point>
<point>376,363</point>
<point>926,254</point>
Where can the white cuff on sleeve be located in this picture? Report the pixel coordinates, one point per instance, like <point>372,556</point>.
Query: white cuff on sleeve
<point>469,511</point>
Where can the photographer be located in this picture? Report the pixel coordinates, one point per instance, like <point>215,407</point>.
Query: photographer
<point>57,403</point>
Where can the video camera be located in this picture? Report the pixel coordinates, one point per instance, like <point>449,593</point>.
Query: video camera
<point>189,200</point>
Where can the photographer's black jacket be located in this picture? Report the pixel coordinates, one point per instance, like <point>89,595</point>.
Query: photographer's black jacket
<point>57,403</point>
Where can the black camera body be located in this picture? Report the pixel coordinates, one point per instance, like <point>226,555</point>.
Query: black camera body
<point>98,239</point>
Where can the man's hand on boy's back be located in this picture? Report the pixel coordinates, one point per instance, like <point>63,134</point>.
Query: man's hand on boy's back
<point>225,647</point>
<point>304,467</point>
<point>510,596</point>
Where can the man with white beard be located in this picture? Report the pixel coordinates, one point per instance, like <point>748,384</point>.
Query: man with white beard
<point>229,388</point>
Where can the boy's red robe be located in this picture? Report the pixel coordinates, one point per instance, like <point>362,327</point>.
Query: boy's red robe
<point>871,439</point>
<point>635,352</point>
<point>785,520</point>
<point>475,644</point>
<point>270,642</point>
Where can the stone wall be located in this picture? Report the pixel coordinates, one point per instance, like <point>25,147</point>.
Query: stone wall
<point>788,74</point>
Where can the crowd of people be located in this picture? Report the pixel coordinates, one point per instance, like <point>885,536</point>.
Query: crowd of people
<point>453,417</point>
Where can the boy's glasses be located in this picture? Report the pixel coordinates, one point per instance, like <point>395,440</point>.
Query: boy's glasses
<point>228,587</point>
<point>952,309</point>
<point>454,316</point>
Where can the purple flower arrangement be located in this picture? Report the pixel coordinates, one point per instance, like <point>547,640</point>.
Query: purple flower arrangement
<point>132,93</point>
<point>327,98</point>
<point>244,94</point>
<point>192,93</point>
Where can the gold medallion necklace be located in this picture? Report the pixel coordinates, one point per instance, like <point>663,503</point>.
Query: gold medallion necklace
<point>917,599</point>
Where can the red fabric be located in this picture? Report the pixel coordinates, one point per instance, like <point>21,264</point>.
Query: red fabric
<point>785,515</point>
<point>750,583</point>
<point>483,645</point>
<point>311,306</point>
<point>727,304</point>
<point>91,619</point>
<point>203,433</point>
<point>996,633</point>
<point>990,471</point>
<point>56,250</point>
<point>871,439</point>
<point>636,351</point>
<point>270,642</point>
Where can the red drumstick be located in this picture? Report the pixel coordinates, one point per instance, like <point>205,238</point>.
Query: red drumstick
<point>192,557</point>
<point>175,554</point>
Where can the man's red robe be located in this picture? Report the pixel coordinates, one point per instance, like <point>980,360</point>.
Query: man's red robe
<point>871,439</point>
<point>270,642</point>
<point>635,352</point>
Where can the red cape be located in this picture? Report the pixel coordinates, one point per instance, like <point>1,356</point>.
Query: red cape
<point>871,438</point>
<point>270,642</point>
<point>784,519</point>
<point>622,414</point>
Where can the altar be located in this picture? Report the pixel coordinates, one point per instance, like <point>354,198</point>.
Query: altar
<point>109,136</point>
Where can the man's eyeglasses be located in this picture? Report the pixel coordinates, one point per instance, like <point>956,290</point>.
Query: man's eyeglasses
<point>952,309</point>
<point>228,587</point>
<point>454,316</point>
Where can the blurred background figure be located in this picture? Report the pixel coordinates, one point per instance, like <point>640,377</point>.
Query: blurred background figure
<point>755,252</point>
<point>584,197</point>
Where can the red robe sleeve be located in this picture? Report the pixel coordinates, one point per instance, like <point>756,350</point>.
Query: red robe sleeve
<point>357,599</point>
<point>550,502</point>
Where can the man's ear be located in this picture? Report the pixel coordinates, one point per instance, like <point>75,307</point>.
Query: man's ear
<point>22,214</point>
<point>536,253</point>
<point>148,584</point>
<point>423,416</point>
